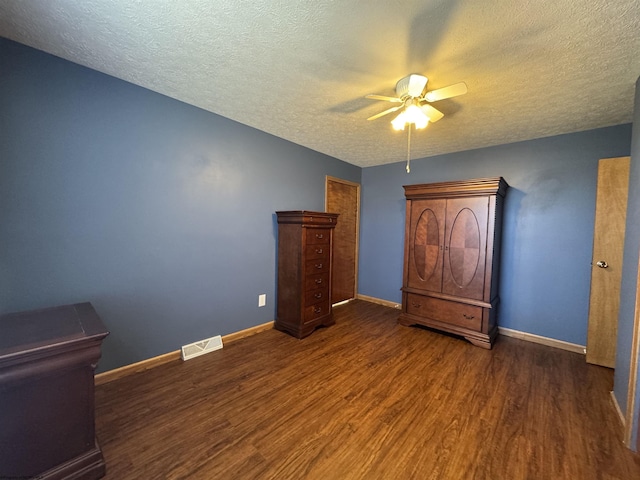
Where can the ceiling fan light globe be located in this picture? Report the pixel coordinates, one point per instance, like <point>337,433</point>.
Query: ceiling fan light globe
<point>422,123</point>
<point>399,122</point>
<point>415,115</point>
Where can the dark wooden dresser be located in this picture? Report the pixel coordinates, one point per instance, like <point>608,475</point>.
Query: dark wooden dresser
<point>47,363</point>
<point>305,242</point>
<point>452,257</point>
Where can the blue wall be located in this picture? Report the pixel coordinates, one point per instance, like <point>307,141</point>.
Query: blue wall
<point>548,224</point>
<point>157,212</point>
<point>161,214</point>
<point>629,278</point>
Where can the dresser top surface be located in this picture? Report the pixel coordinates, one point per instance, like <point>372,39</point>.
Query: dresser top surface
<point>307,217</point>
<point>48,328</point>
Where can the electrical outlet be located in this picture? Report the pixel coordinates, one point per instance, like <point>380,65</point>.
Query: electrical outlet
<point>262,299</point>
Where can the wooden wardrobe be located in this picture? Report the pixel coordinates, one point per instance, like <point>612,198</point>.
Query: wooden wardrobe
<point>452,257</point>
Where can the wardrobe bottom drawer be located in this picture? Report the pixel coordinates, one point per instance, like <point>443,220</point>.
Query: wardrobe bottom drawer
<point>460,314</point>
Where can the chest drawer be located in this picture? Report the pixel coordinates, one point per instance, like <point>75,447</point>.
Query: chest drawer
<point>311,297</point>
<point>468,316</point>
<point>317,236</point>
<point>316,280</point>
<point>317,251</point>
<point>317,265</point>
<point>313,312</point>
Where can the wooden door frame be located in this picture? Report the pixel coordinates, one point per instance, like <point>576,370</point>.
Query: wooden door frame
<point>633,372</point>
<point>327,179</point>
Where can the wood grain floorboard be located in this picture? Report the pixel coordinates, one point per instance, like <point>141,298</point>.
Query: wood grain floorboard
<point>366,399</point>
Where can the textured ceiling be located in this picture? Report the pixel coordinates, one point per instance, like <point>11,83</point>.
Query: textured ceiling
<point>300,69</point>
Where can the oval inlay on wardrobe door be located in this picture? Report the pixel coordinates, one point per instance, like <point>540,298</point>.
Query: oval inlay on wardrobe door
<point>426,239</point>
<point>464,247</point>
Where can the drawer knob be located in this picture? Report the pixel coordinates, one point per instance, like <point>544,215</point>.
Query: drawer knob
<point>416,305</point>
<point>318,295</point>
<point>318,250</point>
<point>318,281</point>
<point>317,309</point>
<point>319,266</point>
<point>468,317</point>
<point>319,235</point>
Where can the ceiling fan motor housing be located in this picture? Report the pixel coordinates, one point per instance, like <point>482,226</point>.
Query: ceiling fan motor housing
<point>411,85</point>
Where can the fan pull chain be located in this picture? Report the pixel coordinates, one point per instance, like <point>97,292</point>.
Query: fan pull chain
<point>409,150</point>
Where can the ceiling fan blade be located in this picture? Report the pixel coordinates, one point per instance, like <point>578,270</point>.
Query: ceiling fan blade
<point>382,97</point>
<point>392,109</point>
<point>433,113</point>
<point>411,86</point>
<point>417,84</point>
<point>446,92</point>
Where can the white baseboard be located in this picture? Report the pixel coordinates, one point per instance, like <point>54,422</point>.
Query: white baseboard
<point>507,332</point>
<point>550,342</point>
<point>117,373</point>
<point>379,301</point>
<point>614,400</point>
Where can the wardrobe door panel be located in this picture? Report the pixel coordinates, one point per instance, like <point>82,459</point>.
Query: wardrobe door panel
<point>465,247</point>
<point>426,244</point>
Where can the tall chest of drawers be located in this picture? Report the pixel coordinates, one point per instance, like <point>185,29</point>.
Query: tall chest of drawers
<point>305,241</point>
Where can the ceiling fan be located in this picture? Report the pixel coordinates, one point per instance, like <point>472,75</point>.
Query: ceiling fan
<point>412,97</point>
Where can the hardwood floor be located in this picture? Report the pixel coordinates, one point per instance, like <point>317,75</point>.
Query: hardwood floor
<point>366,399</point>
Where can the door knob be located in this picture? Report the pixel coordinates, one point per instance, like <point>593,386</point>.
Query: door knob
<point>602,264</point>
